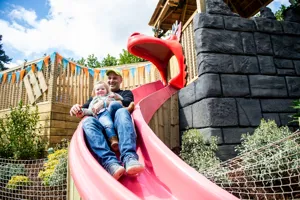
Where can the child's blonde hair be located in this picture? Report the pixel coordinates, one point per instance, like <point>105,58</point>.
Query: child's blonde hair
<point>104,84</point>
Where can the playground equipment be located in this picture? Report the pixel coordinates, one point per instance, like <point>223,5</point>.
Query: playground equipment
<point>166,176</point>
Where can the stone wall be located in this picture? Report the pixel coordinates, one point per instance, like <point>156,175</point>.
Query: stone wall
<point>248,69</point>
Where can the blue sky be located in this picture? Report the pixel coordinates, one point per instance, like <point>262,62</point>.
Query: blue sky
<point>75,29</point>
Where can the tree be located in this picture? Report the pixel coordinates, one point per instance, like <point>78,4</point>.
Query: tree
<point>3,57</point>
<point>109,61</point>
<point>127,58</point>
<point>82,61</point>
<point>92,61</point>
<point>279,13</point>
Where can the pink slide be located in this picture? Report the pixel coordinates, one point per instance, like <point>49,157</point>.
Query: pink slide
<point>166,176</point>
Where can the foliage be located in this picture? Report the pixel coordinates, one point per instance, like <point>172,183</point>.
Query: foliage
<point>197,153</point>
<point>296,117</point>
<point>19,135</point>
<point>266,133</point>
<point>9,170</point>
<point>109,61</point>
<point>127,58</point>
<point>17,181</point>
<point>92,61</point>
<point>271,162</point>
<point>279,13</point>
<point>3,57</point>
<point>55,169</point>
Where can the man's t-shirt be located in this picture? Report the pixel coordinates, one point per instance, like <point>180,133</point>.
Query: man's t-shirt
<point>126,94</point>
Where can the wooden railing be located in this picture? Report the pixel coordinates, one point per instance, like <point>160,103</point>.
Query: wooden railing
<point>188,44</point>
<point>64,84</point>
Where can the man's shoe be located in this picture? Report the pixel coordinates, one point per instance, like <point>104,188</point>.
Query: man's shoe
<point>116,170</point>
<point>133,167</point>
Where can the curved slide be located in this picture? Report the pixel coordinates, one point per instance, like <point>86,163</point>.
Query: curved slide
<point>166,176</point>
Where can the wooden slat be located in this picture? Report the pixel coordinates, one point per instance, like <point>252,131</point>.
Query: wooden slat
<point>29,90</point>
<point>42,81</point>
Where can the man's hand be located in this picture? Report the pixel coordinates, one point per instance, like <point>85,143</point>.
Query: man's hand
<point>75,110</point>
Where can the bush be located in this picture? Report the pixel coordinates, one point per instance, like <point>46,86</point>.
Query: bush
<point>197,152</point>
<point>17,181</point>
<point>55,169</point>
<point>19,136</point>
<point>9,170</point>
<point>266,160</point>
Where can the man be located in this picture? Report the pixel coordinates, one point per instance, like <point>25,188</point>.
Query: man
<point>123,124</point>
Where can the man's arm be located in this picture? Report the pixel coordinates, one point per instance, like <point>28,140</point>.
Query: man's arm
<point>127,97</point>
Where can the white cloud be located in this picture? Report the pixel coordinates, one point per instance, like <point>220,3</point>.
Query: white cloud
<point>14,64</point>
<point>82,27</point>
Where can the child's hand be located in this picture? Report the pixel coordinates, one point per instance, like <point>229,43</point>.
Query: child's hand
<point>97,107</point>
<point>112,95</point>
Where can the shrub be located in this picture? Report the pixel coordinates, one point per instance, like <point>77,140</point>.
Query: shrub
<point>266,160</point>
<point>19,135</point>
<point>9,170</point>
<point>55,169</point>
<point>197,152</point>
<point>17,181</point>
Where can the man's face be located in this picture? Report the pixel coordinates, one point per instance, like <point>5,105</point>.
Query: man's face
<point>114,81</point>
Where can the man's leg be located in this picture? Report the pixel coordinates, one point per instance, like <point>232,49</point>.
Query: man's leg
<point>127,141</point>
<point>96,141</point>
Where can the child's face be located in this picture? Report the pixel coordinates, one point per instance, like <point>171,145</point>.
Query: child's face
<point>100,90</point>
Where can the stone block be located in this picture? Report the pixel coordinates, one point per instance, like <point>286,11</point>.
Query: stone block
<point>204,20</point>
<point>283,63</point>
<point>214,63</point>
<point>218,41</point>
<point>208,132</point>
<point>226,152</point>
<point>286,119</point>
<point>291,27</point>
<point>207,85</point>
<point>235,85</point>
<point>263,43</point>
<point>267,86</point>
<point>248,43</point>
<point>266,65</point>
<point>233,135</point>
<point>249,112</point>
<point>218,7</point>
<point>245,64</point>
<point>277,105</point>
<point>186,95</point>
<point>272,116</point>
<point>185,118</point>
<point>268,25</point>
<point>293,85</point>
<point>290,72</point>
<point>286,46</point>
<point>216,112</point>
<point>239,24</point>
<point>297,66</point>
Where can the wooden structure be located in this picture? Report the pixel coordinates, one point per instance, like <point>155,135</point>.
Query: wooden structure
<point>58,84</point>
<point>168,11</point>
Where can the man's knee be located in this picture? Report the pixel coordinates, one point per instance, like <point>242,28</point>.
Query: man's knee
<point>115,105</point>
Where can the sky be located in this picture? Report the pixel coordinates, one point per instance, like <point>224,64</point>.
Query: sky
<point>74,28</point>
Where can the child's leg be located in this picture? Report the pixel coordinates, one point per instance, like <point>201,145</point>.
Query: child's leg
<point>107,123</point>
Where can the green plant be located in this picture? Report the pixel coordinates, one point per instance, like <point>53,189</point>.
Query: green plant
<point>197,152</point>
<point>55,169</point>
<point>19,134</point>
<point>296,117</point>
<point>17,181</point>
<point>9,170</point>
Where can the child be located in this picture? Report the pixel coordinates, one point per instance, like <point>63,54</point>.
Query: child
<point>103,96</point>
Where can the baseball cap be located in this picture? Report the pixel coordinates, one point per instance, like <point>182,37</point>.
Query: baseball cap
<point>116,71</point>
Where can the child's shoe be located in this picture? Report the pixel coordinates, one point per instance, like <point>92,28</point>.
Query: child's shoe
<point>114,143</point>
<point>133,167</point>
<point>130,108</point>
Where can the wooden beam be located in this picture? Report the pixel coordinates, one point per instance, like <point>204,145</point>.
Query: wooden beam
<point>162,13</point>
<point>184,11</point>
<point>201,6</point>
